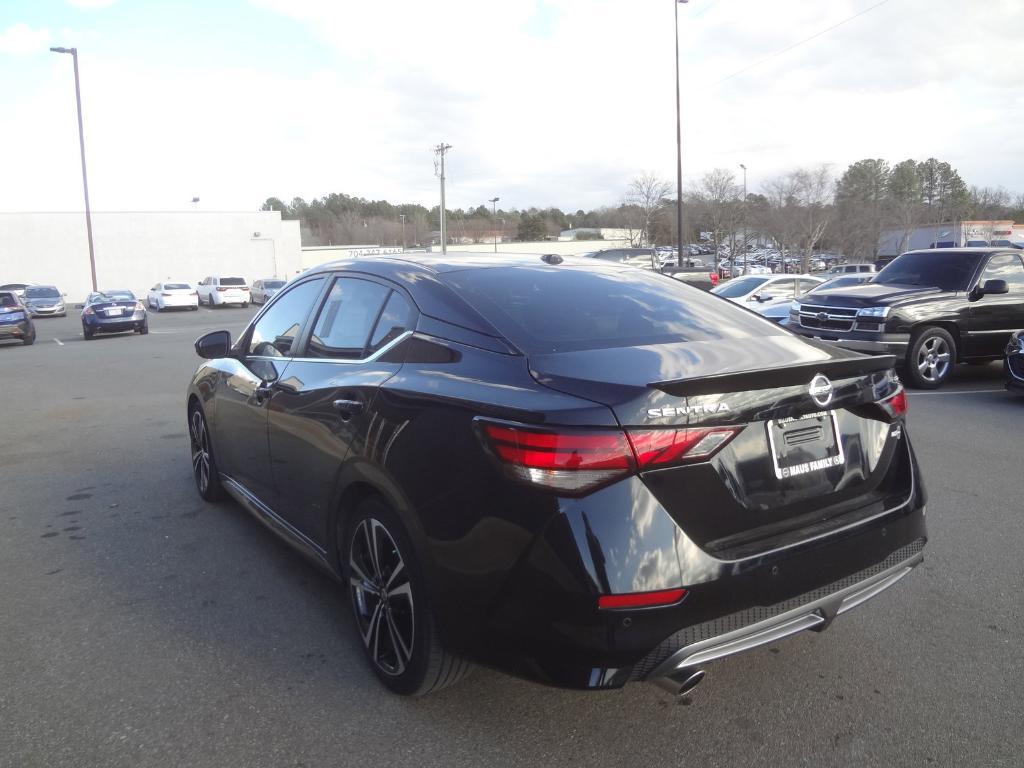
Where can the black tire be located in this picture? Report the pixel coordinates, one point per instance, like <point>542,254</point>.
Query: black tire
<point>29,340</point>
<point>194,309</point>
<point>86,333</point>
<point>398,632</point>
<point>144,330</point>
<point>245,305</point>
<point>204,465</point>
<point>931,357</point>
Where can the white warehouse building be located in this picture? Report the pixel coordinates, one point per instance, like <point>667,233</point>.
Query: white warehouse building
<point>136,249</point>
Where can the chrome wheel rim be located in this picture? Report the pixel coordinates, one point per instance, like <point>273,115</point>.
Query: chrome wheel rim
<point>934,359</point>
<point>200,451</point>
<point>381,597</point>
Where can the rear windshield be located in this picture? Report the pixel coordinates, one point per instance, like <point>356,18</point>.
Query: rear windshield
<point>273,283</point>
<point>117,296</point>
<point>948,271</point>
<point>42,292</point>
<point>741,287</point>
<point>542,310</point>
<point>232,281</point>
<point>176,286</point>
<point>8,300</point>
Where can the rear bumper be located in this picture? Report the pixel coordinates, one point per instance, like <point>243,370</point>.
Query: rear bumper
<point>18,330</point>
<point>116,324</point>
<point>703,643</point>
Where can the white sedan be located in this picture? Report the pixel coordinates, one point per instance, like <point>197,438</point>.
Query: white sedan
<point>764,288</point>
<point>172,296</point>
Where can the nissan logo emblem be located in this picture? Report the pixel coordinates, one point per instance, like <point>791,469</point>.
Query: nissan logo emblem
<point>821,390</point>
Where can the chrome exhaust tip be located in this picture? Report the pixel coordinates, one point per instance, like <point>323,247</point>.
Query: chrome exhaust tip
<point>680,682</point>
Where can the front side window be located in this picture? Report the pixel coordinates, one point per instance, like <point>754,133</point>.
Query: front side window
<point>945,270</point>
<point>346,318</point>
<point>274,332</point>
<point>1003,266</point>
<point>741,287</point>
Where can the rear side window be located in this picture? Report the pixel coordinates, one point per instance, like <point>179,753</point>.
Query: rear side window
<point>232,281</point>
<point>346,319</point>
<point>175,286</point>
<point>396,319</point>
<point>554,309</point>
<point>274,332</point>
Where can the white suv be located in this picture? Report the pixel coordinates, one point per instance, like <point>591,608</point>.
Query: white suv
<point>220,291</point>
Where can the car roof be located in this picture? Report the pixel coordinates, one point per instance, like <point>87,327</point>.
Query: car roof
<point>979,250</point>
<point>439,263</point>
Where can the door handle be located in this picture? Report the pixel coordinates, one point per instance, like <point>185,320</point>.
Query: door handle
<point>263,392</point>
<point>348,408</point>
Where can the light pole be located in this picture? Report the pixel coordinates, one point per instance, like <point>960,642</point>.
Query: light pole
<point>85,177</point>
<point>494,213</point>
<point>679,146</point>
<point>402,217</point>
<point>744,216</point>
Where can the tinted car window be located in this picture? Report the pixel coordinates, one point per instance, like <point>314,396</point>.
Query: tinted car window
<point>8,300</point>
<point>1006,266</point>
<point>272,283</point>
<point>115,296</point>
<point>175,286</point>
<point>397,317</point>
<point>559,310</point>
<point>232,281</point>
<point>274,332</point>
<point>741,287</point>
<point>946,271</point>
<point>346,319</point>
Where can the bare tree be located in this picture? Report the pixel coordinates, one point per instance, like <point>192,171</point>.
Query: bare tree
<point>718,199</point>
<point>813,189</point>
<point>645,201</point>
<point>778,217</point>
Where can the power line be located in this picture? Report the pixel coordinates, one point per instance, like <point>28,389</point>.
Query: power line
<point>798,43</point>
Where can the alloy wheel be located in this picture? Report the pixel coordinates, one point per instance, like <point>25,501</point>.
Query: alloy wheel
<point>934,359</point>
<point>382,596</point>
<point>200,451</point>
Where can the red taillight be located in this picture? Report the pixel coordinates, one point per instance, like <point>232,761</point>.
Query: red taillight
<point>570,460</point>
<point>578,461</point>
<point>245,288</point>
<point>89,311</point>
<point>194,293</point>
<point>221,288</point>
<point>641,599</point>
<point>895,405</point>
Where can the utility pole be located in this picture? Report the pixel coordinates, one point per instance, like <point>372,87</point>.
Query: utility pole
<point>440,150</point>
<point>679,148</point>
<point>402,217</point>
<point>81,146</point>
<point>744,218</point>
<point>494,214</point>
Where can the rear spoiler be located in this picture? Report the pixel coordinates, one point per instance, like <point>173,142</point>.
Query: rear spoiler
<point>770,378</point>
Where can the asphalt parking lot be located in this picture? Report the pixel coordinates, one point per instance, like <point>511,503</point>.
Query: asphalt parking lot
<point>140,626</point>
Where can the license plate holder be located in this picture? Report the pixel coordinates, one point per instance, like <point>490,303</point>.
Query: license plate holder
<point>114,311</point>
<point>805,444</point>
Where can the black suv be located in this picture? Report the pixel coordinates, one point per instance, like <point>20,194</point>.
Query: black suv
<point>582,473</point>
<point>930,308</point>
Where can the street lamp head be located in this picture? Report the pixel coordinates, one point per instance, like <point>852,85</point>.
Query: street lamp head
<point>494,200</point>
<point>65,50</point>
<point>743,166</point>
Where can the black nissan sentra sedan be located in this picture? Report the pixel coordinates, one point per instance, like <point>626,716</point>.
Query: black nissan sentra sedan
<point>584,474</point>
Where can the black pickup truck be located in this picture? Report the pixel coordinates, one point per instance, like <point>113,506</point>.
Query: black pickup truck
<point>705,278</point>
<point>930,308</point>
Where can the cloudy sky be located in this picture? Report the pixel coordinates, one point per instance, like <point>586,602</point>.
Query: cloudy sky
<point>545,102</point>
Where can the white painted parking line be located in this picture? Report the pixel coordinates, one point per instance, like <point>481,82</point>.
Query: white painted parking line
<point>61,343</point>
<point>957,392</point>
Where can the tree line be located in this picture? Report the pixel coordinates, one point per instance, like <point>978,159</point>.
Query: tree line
<point>798,212</point>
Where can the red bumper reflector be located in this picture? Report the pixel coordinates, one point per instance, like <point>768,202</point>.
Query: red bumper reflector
<point>641,599</point>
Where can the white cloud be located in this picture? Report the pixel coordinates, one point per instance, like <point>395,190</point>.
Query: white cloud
<point>546,102</point>
<point>21,40</point>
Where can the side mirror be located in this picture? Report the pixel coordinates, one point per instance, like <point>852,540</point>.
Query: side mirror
<point>994,287</point>
<point>213,345</point>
